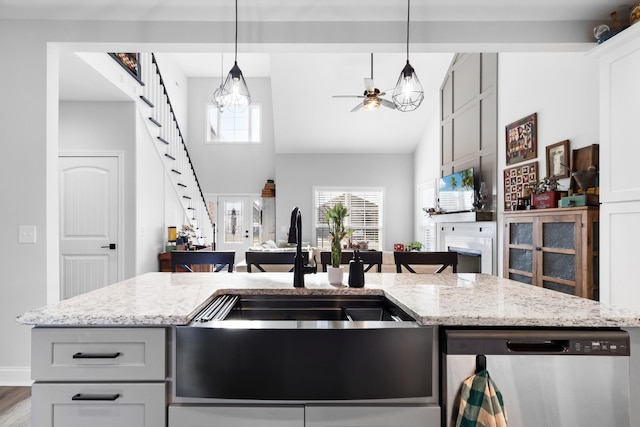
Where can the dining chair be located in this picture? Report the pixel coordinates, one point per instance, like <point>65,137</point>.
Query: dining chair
<point>256,258</point>
<point>369,259</point>
<point>184,260</point>
<point>407,259</point>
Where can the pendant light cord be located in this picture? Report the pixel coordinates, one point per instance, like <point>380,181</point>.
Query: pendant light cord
<point>408,20</point>
<point>236,51</point>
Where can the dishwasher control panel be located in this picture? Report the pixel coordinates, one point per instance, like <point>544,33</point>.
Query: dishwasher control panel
<point>600,347</point>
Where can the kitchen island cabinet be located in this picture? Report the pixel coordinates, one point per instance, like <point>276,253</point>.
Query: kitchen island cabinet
<point>142,314</point>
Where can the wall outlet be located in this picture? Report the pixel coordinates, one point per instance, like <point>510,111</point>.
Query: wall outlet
<point>26,234</point>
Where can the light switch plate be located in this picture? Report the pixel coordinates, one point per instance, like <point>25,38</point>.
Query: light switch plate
<point>26,234</point>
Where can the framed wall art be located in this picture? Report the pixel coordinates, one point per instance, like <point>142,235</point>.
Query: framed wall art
<point>522,139</point>
<point>558,160</point>
<point>516,179</point>
<point>130,62</point>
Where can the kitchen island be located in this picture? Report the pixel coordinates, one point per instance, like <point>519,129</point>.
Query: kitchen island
<point>141,315</point>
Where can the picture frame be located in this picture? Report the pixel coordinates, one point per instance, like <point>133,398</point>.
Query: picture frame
<point>558,160</point>
<point>516,180</point>
<point>130,62</point>
<point>522,139</point>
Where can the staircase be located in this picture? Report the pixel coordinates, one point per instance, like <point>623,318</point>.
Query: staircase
<point>172,148</point>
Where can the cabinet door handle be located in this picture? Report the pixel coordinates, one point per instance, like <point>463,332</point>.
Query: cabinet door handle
<point>109,397</point>
<point>96,355</point>
<point>538,248</point>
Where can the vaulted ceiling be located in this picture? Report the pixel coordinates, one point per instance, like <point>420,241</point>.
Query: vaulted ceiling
<point>313,49</point>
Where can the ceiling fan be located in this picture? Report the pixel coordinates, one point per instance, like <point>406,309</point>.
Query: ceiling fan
<point>372,97</point>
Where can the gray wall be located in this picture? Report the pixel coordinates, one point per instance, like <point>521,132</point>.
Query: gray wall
<point>469,117</point>
<point>297,174</point>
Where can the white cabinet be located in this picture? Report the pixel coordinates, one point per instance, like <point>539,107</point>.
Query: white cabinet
<point>98,405</point>
<point>98,377</point>
<point>236,416</point>
<point>619,60</point>
<point>372,416</point>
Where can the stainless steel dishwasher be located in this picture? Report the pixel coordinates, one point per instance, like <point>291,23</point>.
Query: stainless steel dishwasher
<point>547,377</point>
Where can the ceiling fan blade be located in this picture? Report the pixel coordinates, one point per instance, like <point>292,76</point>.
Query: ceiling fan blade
<point>348,96</point>
<point>357,107</point>
<point>388,103</point>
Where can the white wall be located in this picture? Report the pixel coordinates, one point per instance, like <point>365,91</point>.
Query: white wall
<point>426,163</point>
<point>297,174</point>
<point>229,168</point>
<point>563,89</point>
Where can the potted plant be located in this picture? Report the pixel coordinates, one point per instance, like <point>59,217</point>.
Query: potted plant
<point>545,193</point>
<point>337,232</point>
<point>414,246</point>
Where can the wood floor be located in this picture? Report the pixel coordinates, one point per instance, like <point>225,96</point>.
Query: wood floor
<point>10,397</point>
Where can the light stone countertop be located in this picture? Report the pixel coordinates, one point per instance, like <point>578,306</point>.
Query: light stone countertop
<point>164,299</point>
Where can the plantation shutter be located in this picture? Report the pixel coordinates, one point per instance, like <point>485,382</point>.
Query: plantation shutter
<point>365,208</point>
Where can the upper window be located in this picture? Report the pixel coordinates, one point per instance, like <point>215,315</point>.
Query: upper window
<point>365,215</point>
<point>234,127</point>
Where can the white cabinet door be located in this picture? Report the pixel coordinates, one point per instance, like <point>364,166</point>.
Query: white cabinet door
<point>369,416</point>
<point>98,405</point>
<point>236,416</point>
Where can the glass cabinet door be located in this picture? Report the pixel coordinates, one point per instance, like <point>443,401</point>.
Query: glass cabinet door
<point>520,250</point>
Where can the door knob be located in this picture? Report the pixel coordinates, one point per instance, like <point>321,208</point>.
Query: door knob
<point>111,246</point>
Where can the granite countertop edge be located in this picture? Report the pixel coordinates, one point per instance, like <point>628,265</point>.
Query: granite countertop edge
<point>172,299</point>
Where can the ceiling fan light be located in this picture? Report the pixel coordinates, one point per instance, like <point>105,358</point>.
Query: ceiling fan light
<point>372,104</point>
<point>235,90</point>
<point>408,93</point>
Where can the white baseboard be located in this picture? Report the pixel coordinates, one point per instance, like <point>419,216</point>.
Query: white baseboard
<point>15,376</point>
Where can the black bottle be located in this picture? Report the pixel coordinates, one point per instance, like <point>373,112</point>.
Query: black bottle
<point>356,271</point>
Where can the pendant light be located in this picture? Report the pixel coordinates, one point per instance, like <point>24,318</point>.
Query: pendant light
<point>408,93</point>
<point>220,97</point>
<point>235,88</point>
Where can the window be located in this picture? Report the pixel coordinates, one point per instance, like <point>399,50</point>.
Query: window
<point>365,215</point>
<point>234,127</point>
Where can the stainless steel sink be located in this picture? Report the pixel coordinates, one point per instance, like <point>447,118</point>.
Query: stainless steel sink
<point>304,348</point>
<point>301,308</point>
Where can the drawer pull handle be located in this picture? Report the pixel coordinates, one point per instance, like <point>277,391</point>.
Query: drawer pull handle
<point>96,355</point>
<point>109,397</point>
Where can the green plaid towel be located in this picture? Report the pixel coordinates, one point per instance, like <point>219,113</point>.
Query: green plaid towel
<point>481,403</point>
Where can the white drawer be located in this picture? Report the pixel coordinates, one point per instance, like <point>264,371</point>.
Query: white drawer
<point>236,416</point>
<point>98,354</point>
<point>98,405</point>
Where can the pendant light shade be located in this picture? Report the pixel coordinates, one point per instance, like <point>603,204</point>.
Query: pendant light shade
<point>221,97</point>
<point>235,90</point>
<point>408,93</point>
<point>234,94</point>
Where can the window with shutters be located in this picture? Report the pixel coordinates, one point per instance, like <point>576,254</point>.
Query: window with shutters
<point>365,207</point>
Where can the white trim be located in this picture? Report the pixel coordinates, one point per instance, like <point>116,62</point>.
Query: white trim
<point>15,376</point>
<point>120,156</point>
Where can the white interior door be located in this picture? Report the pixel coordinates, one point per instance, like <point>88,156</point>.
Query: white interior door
<point>238,222</point>
<point>89,197</point>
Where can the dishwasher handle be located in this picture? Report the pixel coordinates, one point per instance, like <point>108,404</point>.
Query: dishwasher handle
<point>538,346</point>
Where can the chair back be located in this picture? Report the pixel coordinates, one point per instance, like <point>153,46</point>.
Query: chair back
<point>256,258</point>
<point>406,259</point>
<point>183,260</point>
<point>369,259</point>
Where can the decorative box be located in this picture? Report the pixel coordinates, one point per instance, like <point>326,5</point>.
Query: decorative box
<point>548,199</point>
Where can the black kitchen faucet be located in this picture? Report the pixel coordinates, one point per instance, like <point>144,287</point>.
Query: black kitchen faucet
<point>295,236</point>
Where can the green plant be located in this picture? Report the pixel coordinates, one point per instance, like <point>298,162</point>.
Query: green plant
<point>337,231</point>
<point>545,184</point>
<point>415,245</point>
